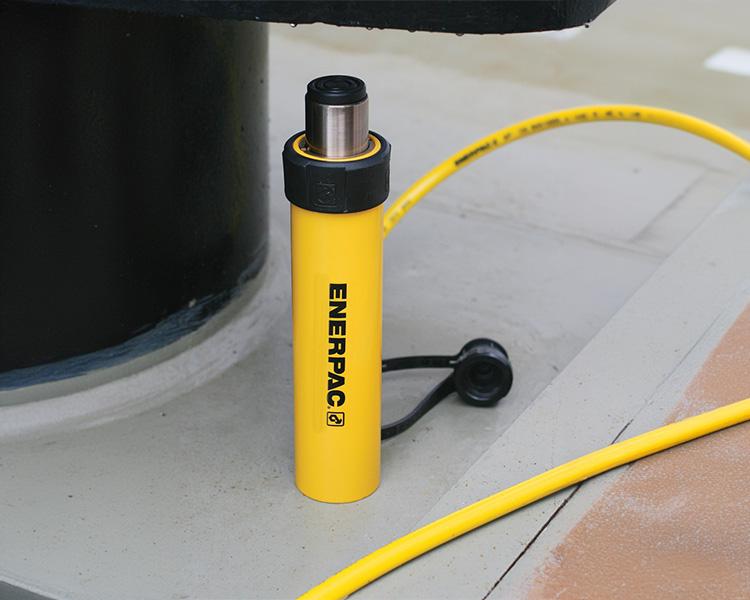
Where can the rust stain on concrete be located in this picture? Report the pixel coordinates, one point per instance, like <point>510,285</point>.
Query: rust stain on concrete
<point>674,525</point>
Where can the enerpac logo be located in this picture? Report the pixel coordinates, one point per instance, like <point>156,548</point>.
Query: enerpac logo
<point>336,393</point>
<point>335,419</point>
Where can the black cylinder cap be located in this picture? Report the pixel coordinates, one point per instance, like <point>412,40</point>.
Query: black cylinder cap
<point>336,187</point>
<point>336,90</point>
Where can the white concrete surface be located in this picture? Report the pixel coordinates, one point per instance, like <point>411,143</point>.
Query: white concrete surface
<point>537,246</point>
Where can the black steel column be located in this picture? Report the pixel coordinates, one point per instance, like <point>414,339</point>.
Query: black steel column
<point>133,175</point>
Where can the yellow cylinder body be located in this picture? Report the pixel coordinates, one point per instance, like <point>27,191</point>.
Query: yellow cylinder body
<point>337,327</point>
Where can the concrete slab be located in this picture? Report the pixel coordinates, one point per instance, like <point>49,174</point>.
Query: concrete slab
<point>619,184</point>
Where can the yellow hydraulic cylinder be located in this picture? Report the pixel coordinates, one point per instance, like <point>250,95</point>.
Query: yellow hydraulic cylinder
<point>336,177</point>
<point>336,300</point>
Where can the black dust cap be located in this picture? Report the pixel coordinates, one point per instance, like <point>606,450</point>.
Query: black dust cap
<point>336,90</point>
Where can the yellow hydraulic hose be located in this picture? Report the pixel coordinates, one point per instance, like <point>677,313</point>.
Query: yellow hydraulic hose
<point>418,542</point>
<point>560,118</point>
<point>475,515</point>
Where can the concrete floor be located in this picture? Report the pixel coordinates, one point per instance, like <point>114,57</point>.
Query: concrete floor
<point>177,483</point>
